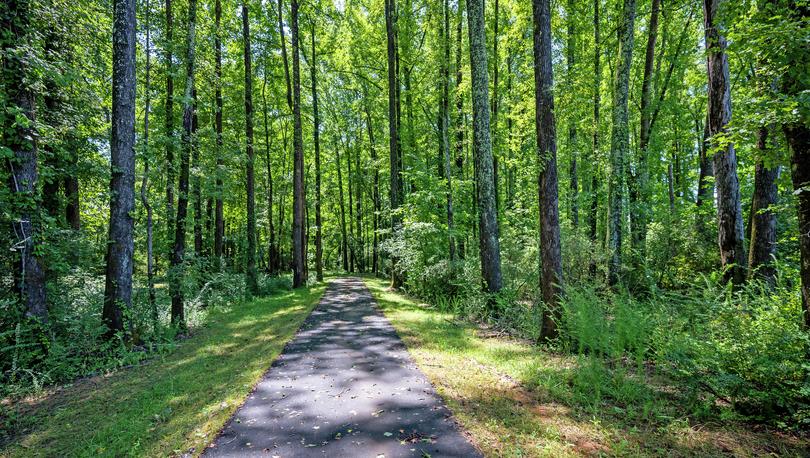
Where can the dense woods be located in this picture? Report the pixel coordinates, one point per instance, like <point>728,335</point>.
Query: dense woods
<point>628,180</point>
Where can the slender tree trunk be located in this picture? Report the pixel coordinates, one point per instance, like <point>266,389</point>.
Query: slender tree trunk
<point>20,138</point>
<point>729,208</point>
<point>272,249</point>
<point>489,245</point>
<point>798,137</point>
<point>150,282</point>
<point>358,212</point>
<point>375,189</point>
<point>120,245</point>
<point>706,168</point>
<point>71,184</point>
<point>395,190</point>
<point>196,187</point>
<point>343,239</point>
<point>459,128</point>
<point>495,100</point>
<point>763,228</point>
<point>178,311</point>
<point>298,242</point>
<point>593,216</point>
<point>349,181</point>
<point>169,123</point>
<point>572,129</point>
<point>316,140</point>
<point>252,274</point>
<point>639,217</point>
<point>619,139</point>
<point>550,252</point>
<point>284,56</point>
<point>444,127</point>
<point>219,223</point>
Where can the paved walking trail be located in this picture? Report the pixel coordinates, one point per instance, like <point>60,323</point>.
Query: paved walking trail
<point>345,386</point>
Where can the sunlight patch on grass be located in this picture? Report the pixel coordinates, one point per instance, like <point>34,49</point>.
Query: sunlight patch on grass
<point>172,404</point>
<point>516,400</point>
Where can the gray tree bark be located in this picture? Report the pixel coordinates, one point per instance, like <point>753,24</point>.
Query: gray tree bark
<point>298,242</point>
<point>619,139</point>
<point>395,189</point>
<point>251,273</point>
<point>120,245</point>
<point>763,219</point>
<point>545,125</point>
<point>729,208</point>
<point>21,139</point>
<point>488,243</point>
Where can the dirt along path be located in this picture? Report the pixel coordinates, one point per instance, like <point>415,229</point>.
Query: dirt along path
<point>345,386</point>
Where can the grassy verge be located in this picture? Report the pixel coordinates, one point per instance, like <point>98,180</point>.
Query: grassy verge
<point>171,405</point>
<point>516,400</point>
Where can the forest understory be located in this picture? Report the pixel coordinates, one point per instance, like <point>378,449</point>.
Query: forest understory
<point>592,216</point>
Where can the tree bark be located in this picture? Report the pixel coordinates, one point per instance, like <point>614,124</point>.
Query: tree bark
<point>619,139</point>
<point>444,127</point>
<point>729,208</point>
<point>196,186</point>
<point>375,189</point>
<point>219,222</point>
<point>572,129</point>
<point>284,56</point>
<point>798,137</point>
<point>169,122</point>
<point>343,238</point>
<point>150,281</point>
<point>639,213</point>
<point>550,252</point>
<point>593,216</point>
<point>120,245</point>
<point>489,245</point>
<point>252,274</point>
<point>298,242</point>
<point>316,121</point>
<point>763,228</point>
<point>178,318</point>
<point>20,138</point>
<point>395,190</point>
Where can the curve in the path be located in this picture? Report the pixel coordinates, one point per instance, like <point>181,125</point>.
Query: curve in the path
<point>345,386</point>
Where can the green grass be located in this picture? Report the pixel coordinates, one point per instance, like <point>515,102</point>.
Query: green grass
<point>516,400</point>
<point>172,404</point>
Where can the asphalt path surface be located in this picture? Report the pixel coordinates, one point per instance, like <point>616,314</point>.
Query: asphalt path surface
<point>345,386</point>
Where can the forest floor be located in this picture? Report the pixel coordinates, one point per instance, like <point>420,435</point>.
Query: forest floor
<point>171,405</point>
<point>345,386</point>
<point>516,400</point>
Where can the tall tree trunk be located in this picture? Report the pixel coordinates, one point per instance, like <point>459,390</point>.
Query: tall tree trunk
<point>169,123</point>
<point>252,274</point>
<point>619,138</point>
<point>797,134</point>
<point>495,96</point>
<point>196,186</point>
<point>489,245</point>
<point>150,282</point>
<point>120,245</point>
<point>639,217</point>
<point>344,244</point>
<point>358,211</point>
<point>178,318</point>
<point>375,189</point>
<point>219,223</point>
<point>798,137</point>
<point>593,216</point>
<point>20,138</point>
<point>763,227</point>
<point>706,168</point>
<point>349,181</point>
<point>729,208</point>
<point>573,205</point>
<point>298,242</point>
<point>550,252</point>
<point>71,184</point>
<point>316,121</point>
<point>444,127</point>
<point>272,249</point>
<point>284,56</point>
<point>459,128</point>
<point>395,190</point>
